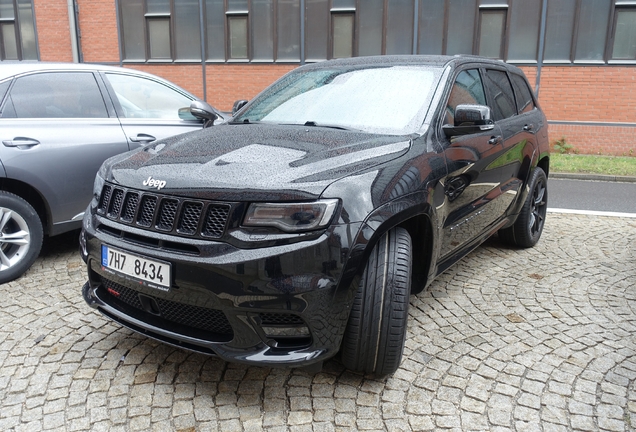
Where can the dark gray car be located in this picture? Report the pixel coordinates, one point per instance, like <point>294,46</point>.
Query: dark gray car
<point>58,123</point>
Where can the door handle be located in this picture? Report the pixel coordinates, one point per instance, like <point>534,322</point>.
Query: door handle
<point>528,127</point>
<point>21,142</point>
<point>495,140</point>
<point>143,138</point>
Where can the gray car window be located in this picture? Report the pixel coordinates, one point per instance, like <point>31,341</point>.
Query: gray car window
<point>55,95</point>
<point>145,98</point>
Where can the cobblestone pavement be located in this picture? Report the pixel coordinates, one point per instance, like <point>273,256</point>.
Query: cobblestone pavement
<point>539,339</point>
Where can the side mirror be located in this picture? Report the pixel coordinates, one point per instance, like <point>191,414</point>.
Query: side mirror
<point>238,105</point>
<point>204,111</point>
<point>470,119</point>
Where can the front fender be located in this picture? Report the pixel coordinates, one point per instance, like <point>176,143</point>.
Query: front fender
<point>399,212</point>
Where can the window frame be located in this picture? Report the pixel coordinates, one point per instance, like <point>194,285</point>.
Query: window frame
<point>493,9</point>
<point>17,29</point>
<point>331,39</point>
<point>229,16</point>
<point>609,49</point>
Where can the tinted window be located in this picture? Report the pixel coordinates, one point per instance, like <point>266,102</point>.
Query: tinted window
<point>56,95</point>
<point>501,94</point>
<point>144,98</point>
<point>522,93</point>
<point>467,89</point>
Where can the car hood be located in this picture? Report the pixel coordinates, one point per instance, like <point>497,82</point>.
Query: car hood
<point>253,162</point>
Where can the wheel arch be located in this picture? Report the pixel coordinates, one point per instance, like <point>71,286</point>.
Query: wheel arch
<point>418,220</point>
<point>30,195</point>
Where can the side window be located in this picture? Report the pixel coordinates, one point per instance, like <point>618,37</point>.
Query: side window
<point>467,89</point>
<point>3,89</point>
<point>55,95</point>
<point>501,94</point>
<point>523,94</point>
<point>145,98</point>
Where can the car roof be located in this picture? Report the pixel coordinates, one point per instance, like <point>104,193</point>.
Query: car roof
<point>408,60</point>
<point>12,68</point>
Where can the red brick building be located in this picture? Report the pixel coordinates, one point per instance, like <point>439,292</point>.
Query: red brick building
<point>580,54</point>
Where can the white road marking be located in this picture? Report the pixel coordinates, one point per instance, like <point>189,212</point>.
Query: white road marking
<point>592,213</point>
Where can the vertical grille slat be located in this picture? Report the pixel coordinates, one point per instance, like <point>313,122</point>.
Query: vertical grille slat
<point>190,216</point>
<point>147,213</point>
<point>163,213</point>
<point>167,214</point>
<point>104,199</point>
<point>215,220</point>
<point>115,203</point>
<point>130,207</point>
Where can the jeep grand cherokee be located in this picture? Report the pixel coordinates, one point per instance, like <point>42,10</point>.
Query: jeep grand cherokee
<point>299,230</point>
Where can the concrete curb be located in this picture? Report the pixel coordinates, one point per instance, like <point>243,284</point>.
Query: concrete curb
<point>594,177</point>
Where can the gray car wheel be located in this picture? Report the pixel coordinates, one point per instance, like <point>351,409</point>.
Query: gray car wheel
<point>20,236</point>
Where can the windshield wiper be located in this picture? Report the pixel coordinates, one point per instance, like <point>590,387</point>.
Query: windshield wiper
<point>314,124</point>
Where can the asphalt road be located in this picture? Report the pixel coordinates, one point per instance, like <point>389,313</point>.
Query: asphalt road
<point>592,195</point>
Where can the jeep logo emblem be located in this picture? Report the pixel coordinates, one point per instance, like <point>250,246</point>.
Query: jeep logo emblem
<point>150,182</point>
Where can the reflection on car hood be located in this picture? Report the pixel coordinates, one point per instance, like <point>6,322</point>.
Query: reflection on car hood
<point>254,161</point>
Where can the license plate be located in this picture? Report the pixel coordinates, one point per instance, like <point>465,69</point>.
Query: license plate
<point>154,273</point>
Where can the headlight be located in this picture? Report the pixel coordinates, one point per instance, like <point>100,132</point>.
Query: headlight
<point>291,217</point>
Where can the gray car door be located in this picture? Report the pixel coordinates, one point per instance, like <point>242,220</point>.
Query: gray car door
<point>56,131</point>
<point>149,109</point>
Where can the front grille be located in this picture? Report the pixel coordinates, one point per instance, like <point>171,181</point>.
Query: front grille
<point>209,320</point>
<point>169,214</point>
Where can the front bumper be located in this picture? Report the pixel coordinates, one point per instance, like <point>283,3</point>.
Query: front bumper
<point>281,305</point>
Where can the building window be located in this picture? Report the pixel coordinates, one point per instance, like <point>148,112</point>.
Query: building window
<point>171,30</point>
<point>237,29</point>
<point>492,30</point>
<point>17,30</point>
<point>159,37</point>
<point>591,33</point>
<point>559,30</point>
<point>624,46</point>
<point>342,28</point>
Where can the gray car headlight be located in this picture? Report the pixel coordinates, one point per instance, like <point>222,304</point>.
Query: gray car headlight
<point>291,217</point>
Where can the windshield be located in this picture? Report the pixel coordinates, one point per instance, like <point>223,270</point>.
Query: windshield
<point>385,100</point>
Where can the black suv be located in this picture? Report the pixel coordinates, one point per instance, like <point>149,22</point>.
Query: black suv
<point>299,229</point>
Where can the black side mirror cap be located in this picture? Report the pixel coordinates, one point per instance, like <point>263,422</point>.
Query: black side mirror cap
<point>470,119</point>
<point>238,105</point>
<point>204,111</point>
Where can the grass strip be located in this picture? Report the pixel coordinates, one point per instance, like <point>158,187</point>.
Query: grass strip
<point>593,164</point>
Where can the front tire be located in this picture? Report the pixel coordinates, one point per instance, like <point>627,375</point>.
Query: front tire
<point>527,229</point>
<point>20,236</point>
<point>374,338</point>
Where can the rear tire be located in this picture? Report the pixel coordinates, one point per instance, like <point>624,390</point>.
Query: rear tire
<point>527,229</point>
<point>20,236</point>
<point>374,338</point>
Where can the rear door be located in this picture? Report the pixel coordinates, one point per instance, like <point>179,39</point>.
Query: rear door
<point>514,111</point>
<point>148,109</point>
<point>472,185</point>
<point>56,129</point>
